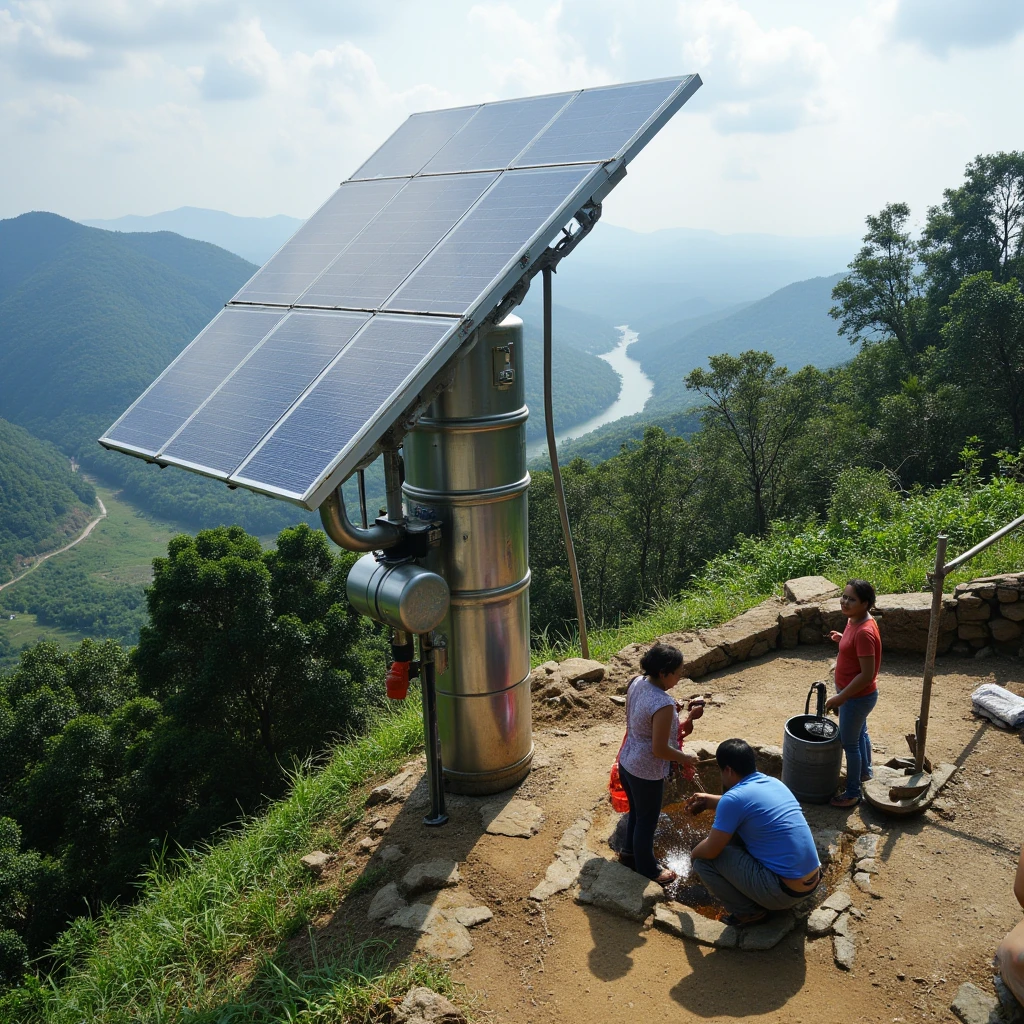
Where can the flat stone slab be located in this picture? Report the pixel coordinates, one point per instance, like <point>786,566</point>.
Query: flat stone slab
<point>843,951</point>
<point>390,854</point>
<point>429,874</point>
<point>386,902</point>
<point>769,934</point>
<point>688,924</point>
<point>470,917</point>
<point>876,790</point>
<point>973,1006</point>
<point>581,670</point>
<point>564,870</point>
<point>396,789</point>
<point>446,940</point>
<point>805,589</point>
<point>838,901</point>
<point>866,846</point>
<point>820,921</point>
<point>518,819</point>
<point>613,887</point>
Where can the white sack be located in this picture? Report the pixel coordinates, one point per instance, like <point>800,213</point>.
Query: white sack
<point>999,705</point>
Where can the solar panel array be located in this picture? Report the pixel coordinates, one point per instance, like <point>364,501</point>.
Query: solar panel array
<point>321,351</point>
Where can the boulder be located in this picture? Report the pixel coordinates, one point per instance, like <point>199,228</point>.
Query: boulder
<point>827,841</point>
<point>424,1006</point>
<point>698,658</point>
<point>1005,631</point>
<point>832,616</point>
<point>613,887</point>
<point>756,627</point>
<point>581,670</point>
<point>390,854</point>
<point>386,902</point>
<point>970,608</point>
<point>903,622</point>
<point>688,924</point>
<point>1007,595</point>
<point>542,674</point>
<point>811,635</point>
<point>429,874</point>
<point>973,1006</point>
<point>518,819</point>
<point>972,631</point>
<point>1014,612</point>
<point>805,589</point>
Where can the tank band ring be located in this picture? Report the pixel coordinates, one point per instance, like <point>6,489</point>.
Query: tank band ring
<point>471,598</point>
<point>487,497</point>
<point>474,425</point>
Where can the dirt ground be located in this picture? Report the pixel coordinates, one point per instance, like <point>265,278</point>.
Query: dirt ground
<point>943,898</point>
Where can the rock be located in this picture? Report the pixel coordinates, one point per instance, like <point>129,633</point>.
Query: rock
<point>863,882</point>
<point>1005,631</point>
<point>429,874</point>
<point>985,652</point>
<point>972,631</point>
<point>769,760</point>
<point>1013,611</point>
<point>961,648</point>
<point>518,819</point>
<point>616,698</point>
<point>414,917</point>
<point>316,862</point>
<point>424,1006</point>
<point>613,887</point>
<point>688,924</point>
<point>973,1006</point>
<point>972,609</point>
<point>559,732</point>
<point>841,925</point>
<point>367,845</point>
<point>446,940</point>
<point>390,854</point>
<point>581,670</point>
<point>832,617</point>
<point>804,589</point>
<point>839,901</point>
<point>810,635</point>
<point>903,622</point>
<point>866,846</point>
<point>395,789</point>
<point>820,921</point>
<point>827,841</point>
<point>470,917</point>
<point>560,874</point>
<point>739,636</point>
<point>768,934</point>
<point>1007,595</point>
<point>540,676</point>
<point>386,902</point>
<point>843,951</point>
<point>380,826</point>
<point>1013,1012</point>
<point>868,865</point>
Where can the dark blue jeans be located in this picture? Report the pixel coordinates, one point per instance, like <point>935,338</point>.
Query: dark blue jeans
<point>853,733</point>
<point>644,811</point>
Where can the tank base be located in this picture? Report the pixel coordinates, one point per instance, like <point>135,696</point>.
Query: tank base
<point>486,783</point>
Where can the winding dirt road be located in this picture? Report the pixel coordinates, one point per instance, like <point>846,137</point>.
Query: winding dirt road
<point>85,533</point>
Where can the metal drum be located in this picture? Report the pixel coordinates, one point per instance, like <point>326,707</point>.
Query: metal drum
<point>465,465</point>
<point>811,758</point>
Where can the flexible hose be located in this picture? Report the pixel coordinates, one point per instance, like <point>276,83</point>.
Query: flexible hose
<point>556,473</point>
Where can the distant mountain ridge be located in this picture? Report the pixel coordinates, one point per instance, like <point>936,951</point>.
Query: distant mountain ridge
<point>255,239</point>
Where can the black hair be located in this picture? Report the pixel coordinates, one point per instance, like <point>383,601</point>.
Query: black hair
<point>864,591</point>
<point>737,755</point>
<point>660,660</point>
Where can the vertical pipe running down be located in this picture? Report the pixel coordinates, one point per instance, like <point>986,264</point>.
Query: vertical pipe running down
<point>435,779</point>
<point>938,579</point>
<point>556,473</point>
<point>361,480</point>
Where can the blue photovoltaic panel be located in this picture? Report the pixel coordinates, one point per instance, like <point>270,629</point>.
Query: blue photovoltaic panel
<point>312,248</point>
<point>356,391</point>
<point>384,255</point>
<point>191,379</point>
<point>225,430</point>
<point>599,123</point>
<point>416,141</point>
<point>496,134</point>
<point>493,235</point>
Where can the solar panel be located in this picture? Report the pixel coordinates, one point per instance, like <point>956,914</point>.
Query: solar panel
<point>496,134</point>
<point>383,285</point>
<point>381,258</point>
<point>416,141</point>
<point>341,408</point>
<point>599,123</point>
<point>220,435</point>
<point>489,239</point>
<point>301,260</point>
<point>196,373</point>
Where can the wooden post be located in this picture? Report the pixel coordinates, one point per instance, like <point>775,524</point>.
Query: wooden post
<point>938,578</point>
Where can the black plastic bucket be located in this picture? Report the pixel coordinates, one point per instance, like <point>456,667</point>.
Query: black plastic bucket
<point>811,763</point>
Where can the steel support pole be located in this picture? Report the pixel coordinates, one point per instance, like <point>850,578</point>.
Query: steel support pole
<point>563,513</point>
<point>938,578</point>
<point>435,776</point>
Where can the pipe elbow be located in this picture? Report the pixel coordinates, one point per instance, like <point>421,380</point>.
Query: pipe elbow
<point>346,534</point>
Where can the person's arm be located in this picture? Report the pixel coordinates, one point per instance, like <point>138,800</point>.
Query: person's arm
<point>1018,884</point>
<point>712,845</point>
<point>861,681</point>
<point>661,740</point>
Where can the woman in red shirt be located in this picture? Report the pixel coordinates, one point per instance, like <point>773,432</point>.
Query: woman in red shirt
<point>860,656</point>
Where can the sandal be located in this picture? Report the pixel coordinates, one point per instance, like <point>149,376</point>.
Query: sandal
<point>666,877</point>
<point>744,922</point>
<point>845,802</point>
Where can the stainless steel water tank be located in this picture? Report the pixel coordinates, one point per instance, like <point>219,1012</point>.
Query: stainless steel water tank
<point>465,465</point>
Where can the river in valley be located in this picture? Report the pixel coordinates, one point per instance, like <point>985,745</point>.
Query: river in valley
<point>634,391</point>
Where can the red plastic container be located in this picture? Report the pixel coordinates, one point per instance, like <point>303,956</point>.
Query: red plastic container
<point>397,681</point>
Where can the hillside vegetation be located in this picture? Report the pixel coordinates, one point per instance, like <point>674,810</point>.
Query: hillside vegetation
<point>42,502</point>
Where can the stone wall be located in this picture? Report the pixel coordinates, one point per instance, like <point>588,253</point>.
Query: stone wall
<point>980,617</point>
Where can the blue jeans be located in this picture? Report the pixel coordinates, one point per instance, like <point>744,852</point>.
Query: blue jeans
<point>644,811</point>
<point>853,733</point>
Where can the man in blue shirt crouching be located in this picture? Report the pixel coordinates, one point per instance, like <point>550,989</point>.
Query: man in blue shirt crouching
<point>760,854</point>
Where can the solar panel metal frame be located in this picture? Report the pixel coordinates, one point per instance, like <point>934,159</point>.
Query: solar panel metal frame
<point>605,175</point>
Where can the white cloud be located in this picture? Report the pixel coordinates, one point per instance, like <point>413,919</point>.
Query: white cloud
<point>242,70</point>
<point>42,112</point>
<point>942,27</point>
<point>765,80</point>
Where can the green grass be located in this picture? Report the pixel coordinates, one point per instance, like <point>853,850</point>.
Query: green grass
<point>206,940</point>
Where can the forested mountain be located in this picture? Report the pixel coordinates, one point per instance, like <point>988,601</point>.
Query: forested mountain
<point>792,324</point>
<point>42,503</point>
<point>253,238</point>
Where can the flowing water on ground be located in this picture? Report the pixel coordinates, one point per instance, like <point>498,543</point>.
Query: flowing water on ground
<point>678,833</point>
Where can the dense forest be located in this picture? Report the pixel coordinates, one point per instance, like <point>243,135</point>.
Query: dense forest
<point>42,502</point>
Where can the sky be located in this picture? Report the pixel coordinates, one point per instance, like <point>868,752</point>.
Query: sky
<point>812,115</point>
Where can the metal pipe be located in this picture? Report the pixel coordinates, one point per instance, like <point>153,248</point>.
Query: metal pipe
<point>361,481</point>
<point>960,559</point>
<point>938,578</point>
<point>346,534</point>
<point>435,770</point>
<point>556,473</point>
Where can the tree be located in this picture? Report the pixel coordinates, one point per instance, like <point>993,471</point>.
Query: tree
<point>978,227</point>
<point>758,409</point>
<point>984,333</point>
<point>881,297</point>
